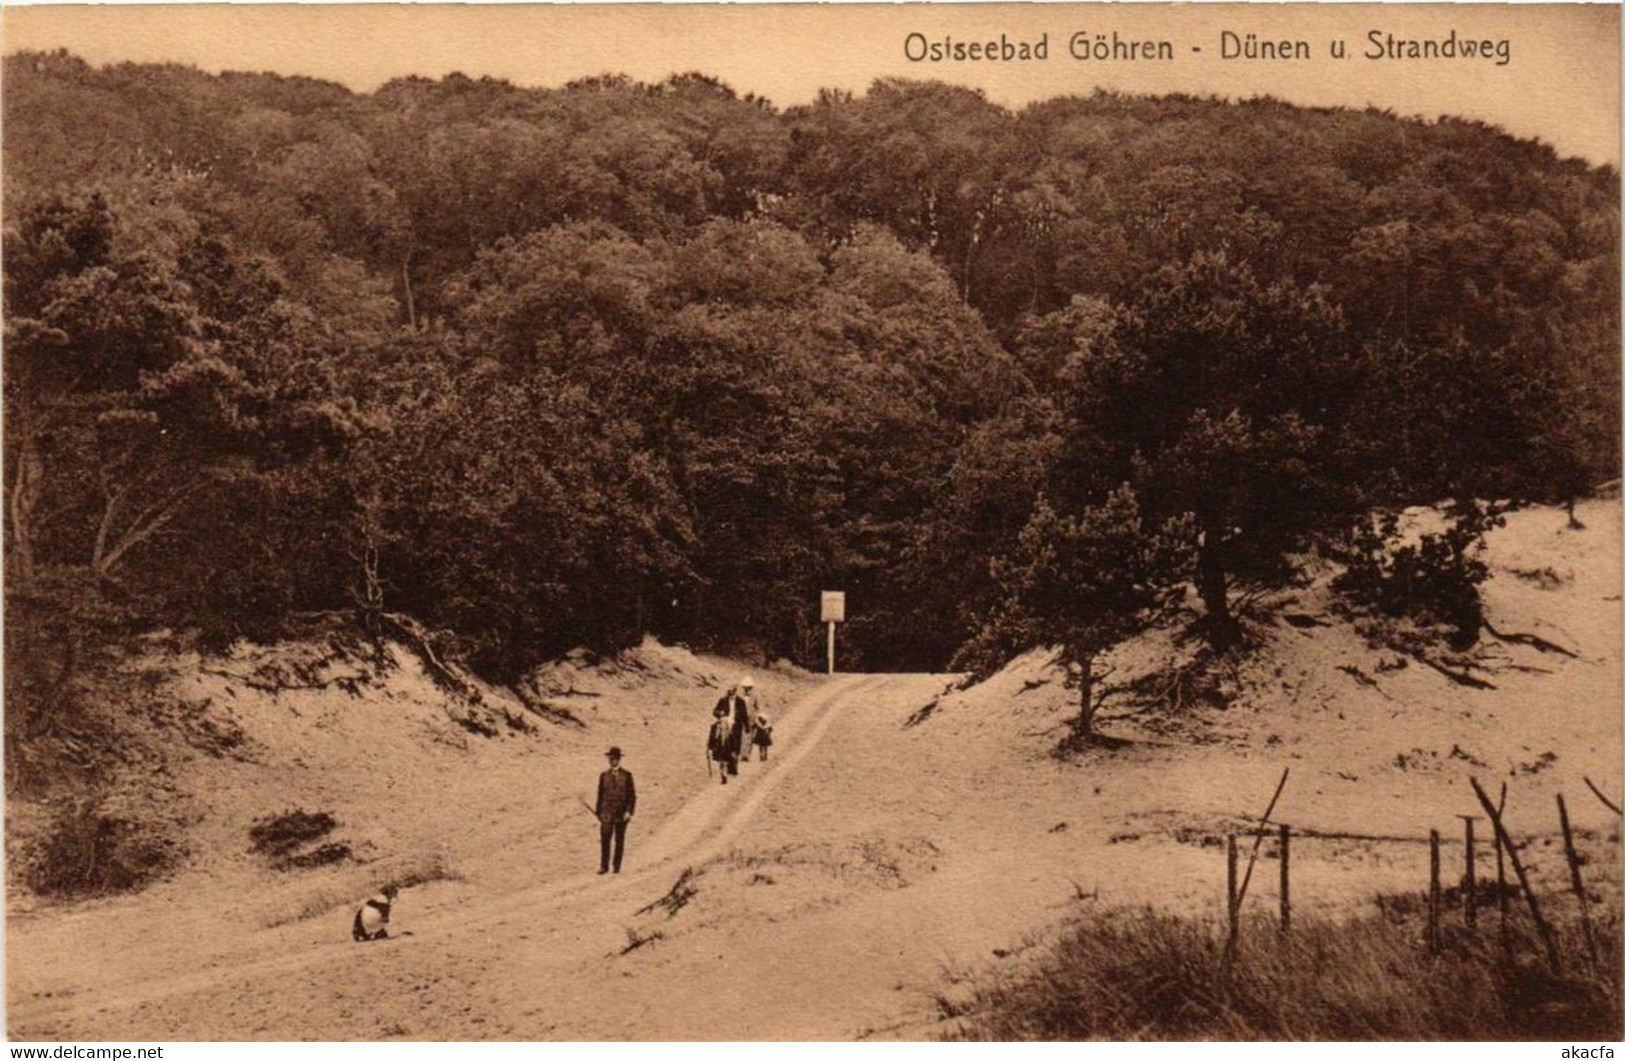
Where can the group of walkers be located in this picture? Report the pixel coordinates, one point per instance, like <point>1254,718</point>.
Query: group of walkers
<point>738,726</point>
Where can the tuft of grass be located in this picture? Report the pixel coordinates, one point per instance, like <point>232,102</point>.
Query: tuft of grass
<point>1147,975</point>
<point>681,892</point>
<point>1400,905</point>
<point>636,939</point>
<point>423,869</point>
<point>346,888</point>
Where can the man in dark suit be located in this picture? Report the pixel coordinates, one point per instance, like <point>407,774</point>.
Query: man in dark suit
<point>617,799</point>
<point>734,704</point>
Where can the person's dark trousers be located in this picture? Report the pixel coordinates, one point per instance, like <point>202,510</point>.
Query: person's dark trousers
<point>608,831</point>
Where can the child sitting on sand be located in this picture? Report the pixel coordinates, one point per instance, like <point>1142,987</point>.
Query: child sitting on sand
<point>372,920</point>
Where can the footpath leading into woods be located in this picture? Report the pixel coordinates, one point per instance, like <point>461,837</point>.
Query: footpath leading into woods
<point>230,998</point>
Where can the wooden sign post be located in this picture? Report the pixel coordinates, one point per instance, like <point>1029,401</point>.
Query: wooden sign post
<point>832,610</point>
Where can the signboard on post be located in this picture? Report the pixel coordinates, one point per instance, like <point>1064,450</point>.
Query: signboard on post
<point>832,610</point>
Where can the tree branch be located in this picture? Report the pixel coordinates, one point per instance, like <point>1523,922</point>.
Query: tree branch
<point>114,500</point>
<point>166,509</point>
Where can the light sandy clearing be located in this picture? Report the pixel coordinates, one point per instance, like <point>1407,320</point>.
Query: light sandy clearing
<point>870,868</point>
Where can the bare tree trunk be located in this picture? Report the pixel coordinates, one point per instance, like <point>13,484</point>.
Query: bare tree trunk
<point>1214,588</point>
<point>971,246</point>
<point>1085,725</point>
<point>45,709</point>
<point>26,490</point>
<point>369,596</point>
<point>406,286</point>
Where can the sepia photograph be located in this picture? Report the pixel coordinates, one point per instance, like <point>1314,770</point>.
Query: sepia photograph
<point>904,523</point>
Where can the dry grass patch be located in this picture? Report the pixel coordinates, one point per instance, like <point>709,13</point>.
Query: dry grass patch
<point>350,887</point>
<point>1146,975</point>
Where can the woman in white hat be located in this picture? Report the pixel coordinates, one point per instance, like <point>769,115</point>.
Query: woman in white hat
<point>744,708</point>
<point>753,712</point>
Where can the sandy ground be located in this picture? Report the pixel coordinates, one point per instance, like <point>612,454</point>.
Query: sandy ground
<point>870,869</point>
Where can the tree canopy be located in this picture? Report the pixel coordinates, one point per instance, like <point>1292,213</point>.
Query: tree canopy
<point>559,367</point>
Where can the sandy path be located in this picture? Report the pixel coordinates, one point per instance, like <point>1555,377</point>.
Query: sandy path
<point>307,980</point>
<point>891,859</point>
<point>841,890</point>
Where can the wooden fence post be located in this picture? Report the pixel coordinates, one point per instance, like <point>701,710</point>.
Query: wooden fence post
<point>1546,937</point>
<point>1470,875</point>
<point>1606,802</point>
<point>1501,898</point>
<point>1433,891</point>
<point>1574,878</point>
<point>1234,905</point>
<point>1258,838</point>
<point>1286,879</point>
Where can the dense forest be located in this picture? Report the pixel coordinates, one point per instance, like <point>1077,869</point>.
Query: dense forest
<point>544,368</point>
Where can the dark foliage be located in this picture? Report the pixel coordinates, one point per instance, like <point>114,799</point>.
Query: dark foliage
<point>323,855</point>
<point>278,836</point>
<point>1432,578</point>
<point>88,851</point>
<point>557,367</point>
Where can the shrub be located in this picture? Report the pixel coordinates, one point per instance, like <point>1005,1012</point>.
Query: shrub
<point>1433,580</point>
<point>87,851</point>
<point>279,837</point>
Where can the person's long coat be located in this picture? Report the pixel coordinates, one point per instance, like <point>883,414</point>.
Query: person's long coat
<point>741,722</point>
<point>739,712</point>
<point>718,739</point>
<point>617,795</point>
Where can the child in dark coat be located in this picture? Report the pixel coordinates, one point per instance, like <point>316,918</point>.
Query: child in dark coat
<point>763,737</point>
<point>372,920</point>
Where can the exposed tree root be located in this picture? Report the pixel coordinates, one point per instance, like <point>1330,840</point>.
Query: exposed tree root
<point>1459,677</point>
<point>451,677</point>
<point>1364,679</point>
<point>350,683</point>
<point>421,641</point>
<point>1075,743</point>
<point>1532,640</point>
<point>548,710</point>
